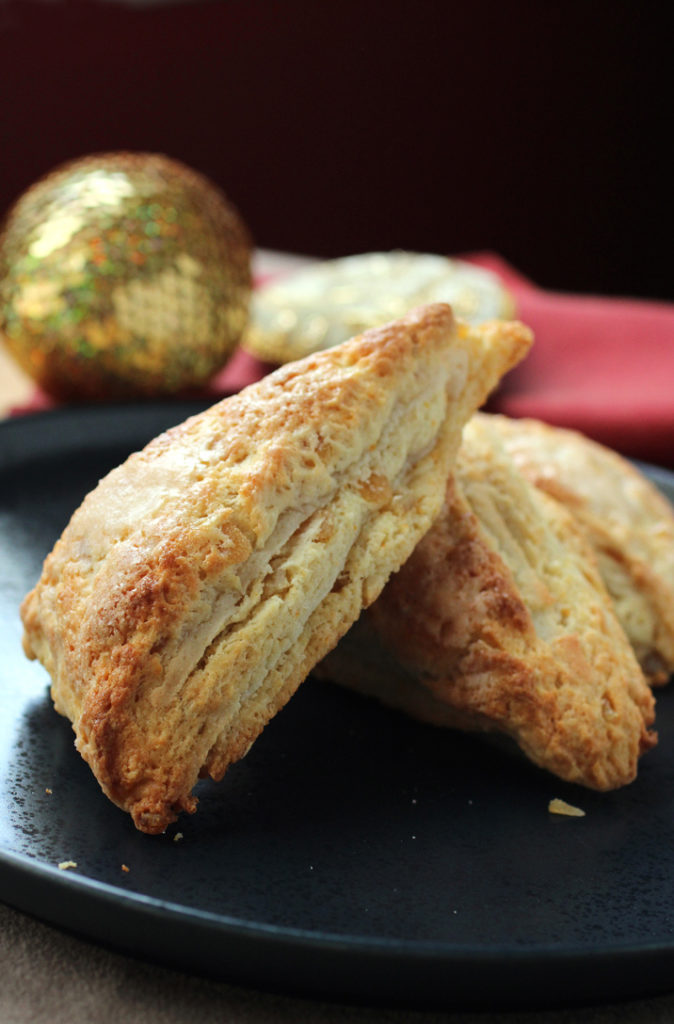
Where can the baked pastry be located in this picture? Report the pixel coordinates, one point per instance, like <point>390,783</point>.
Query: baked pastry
<point>626,519</point>
<point>499,621</point>
<point>197,585</point>
<point>326,302</point>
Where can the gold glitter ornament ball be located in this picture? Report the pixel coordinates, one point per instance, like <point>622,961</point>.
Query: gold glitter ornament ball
<point>121,275</point>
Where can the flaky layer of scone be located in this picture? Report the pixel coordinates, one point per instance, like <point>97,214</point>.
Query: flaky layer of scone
<point>625,518</point>
<point>198,584</point>
<point>499,621</point>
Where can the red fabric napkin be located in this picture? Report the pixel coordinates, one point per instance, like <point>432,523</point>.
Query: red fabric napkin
<point>604,366</point>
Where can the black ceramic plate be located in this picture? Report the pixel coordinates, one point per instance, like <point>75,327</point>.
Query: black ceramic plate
<point>353,854</point>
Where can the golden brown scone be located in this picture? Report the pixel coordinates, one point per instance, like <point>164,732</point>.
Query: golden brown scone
<point>626,519</point>
<point>198,584</point>
<point>499,621</point>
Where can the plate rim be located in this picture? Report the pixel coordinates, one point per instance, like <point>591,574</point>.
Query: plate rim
<point>97,889</point>
<point>362,970</point>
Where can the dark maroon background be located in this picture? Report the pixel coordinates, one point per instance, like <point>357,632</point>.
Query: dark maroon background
<point>536,130</point>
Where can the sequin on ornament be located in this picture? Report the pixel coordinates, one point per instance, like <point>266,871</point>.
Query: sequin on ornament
<point>123,274</point>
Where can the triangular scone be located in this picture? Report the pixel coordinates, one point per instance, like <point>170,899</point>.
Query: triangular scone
<point>499,621</point>
<point>198,584</point>
<point>625,518</point>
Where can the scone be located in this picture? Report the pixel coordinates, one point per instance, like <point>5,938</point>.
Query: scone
<point>626,519</point>
<point>198,584</point>
<point>326,302</point>
<point>499,621</point>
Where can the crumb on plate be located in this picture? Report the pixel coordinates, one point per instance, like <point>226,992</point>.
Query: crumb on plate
<point>558,806</point>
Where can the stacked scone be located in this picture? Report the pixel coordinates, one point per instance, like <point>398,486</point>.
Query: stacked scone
<point>533,607</point>
<point>628,523</point>
<point>337,517</point>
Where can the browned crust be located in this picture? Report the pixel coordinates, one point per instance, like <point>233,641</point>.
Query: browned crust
<point>453,639</point>
<point>624,517</point>
<point>142,609</point>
